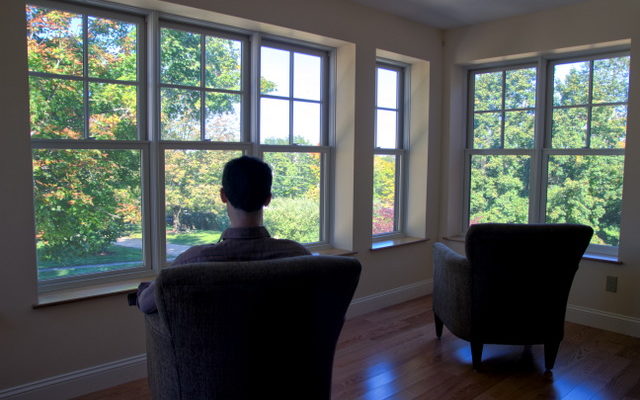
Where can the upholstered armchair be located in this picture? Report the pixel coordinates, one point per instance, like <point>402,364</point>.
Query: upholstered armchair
<point>249,330</point>
<point>511,288</point>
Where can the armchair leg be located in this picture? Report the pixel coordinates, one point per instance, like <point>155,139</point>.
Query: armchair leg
<point>439,325</point>
<point>550,354</point>
<point>476,354</point>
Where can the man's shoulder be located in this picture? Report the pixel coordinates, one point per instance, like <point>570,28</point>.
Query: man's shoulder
<point>294,247</point>
<point>194,253</point>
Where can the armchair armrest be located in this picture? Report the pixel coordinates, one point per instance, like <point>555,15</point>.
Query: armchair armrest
<point>452,290</point>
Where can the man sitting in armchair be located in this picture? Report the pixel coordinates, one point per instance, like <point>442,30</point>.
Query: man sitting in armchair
<point>246,189</point>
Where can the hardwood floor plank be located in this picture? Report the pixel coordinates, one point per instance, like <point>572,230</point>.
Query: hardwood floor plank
<point>393,354</point>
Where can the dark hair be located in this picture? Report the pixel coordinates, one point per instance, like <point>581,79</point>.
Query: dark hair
<point>247,183</point>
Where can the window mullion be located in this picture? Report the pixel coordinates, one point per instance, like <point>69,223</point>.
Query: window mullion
<point>589,105</point>
<point>85,73</point>
<point>155,245</point>
<point>502,108</point>
<point>291,89</point>
<point>537,192</point>
<point>254,95</point>
<point>203,100</point>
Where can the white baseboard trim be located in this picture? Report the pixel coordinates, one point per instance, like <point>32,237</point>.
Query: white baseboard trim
<point>78,383</point>
<point>604,320</point>
<point>376,301</point>
<point>115,373</point>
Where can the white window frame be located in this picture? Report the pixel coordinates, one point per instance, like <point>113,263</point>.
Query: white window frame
<point>402,144</point>
<point>152,147</point>
<point>542,148</point>
<point>325,150</point>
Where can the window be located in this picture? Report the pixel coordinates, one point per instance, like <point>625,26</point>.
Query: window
<point>293,134</point>
<point>203,97</point>
<point>128,152</point>
<point>553,158</point>
<point>86,130</point>
<point>389,154</point>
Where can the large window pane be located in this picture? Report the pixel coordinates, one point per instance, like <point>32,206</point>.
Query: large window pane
<point>194,212</point>
<point>571,84</point>
<point>179,57</point>
<point>223,63</point>
<point>499,189</point>
<point>113,111</point>
<point>519,129</point>
<point>486,130</point>
<point>56,108</point>
<point>274,121</point>
<point>386,129</point>
<point>307,76</point>
<point>608,127</point>
<point>520,88</point>
<point>586,190</point>
<point>488,91</point>
<point>54,40</point>
<point>306,123</point>
<point>387,88</point>
<point>88,211</point>
<point>569,130</point>
<point>294,212</point>
<point>274,71</point>
<point>223,113</point>
<point>384,194</point>
<point>112,49</point>
<point>180,114</point>
<point>611,80</point>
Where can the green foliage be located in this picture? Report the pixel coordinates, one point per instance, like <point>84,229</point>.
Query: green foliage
<point>500,190</point>
<point>384,193</point>
<point>294,212</point>
<point>192,184</point>
<point>84,199</point>
<point>294,218</point>
<point>295,175</point>
<point>587,190</point>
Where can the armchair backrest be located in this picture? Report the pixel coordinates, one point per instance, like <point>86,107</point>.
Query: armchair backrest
<point>245,330</point>
<point>521,277</point>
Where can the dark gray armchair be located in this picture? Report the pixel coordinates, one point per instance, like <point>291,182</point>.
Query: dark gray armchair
<point>513,286</point>
<point>249,330</point>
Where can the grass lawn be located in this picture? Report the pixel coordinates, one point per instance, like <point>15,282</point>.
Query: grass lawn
<point>112,254</point>
<point>75,271</point>
<point>186,238</point>
<point>127,257</point>
<point>193,238</point>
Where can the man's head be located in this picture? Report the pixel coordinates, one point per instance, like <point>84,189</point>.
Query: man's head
<point>246,183</point>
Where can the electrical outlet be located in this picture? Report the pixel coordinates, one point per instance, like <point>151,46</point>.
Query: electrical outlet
<point>612,284</point>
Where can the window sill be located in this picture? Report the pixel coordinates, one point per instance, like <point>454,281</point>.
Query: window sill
<point>601,258</point>
<point>64,296</point>
<point>587,256</point>
<point>332,251</point>
<point>385,244</point>
<point>455,238</point>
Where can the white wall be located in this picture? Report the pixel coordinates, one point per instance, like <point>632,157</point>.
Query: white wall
<point>44,342</point>
<point>581,27</point>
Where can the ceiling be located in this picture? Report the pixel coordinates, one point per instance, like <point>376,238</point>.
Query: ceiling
<point>456,13</point>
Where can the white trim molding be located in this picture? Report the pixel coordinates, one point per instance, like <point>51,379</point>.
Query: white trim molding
<point>377,301</point>
<point>604,320</point>
<point>78,383</point>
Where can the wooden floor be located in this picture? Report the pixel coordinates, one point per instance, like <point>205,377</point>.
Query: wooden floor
<point>394,354</point>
